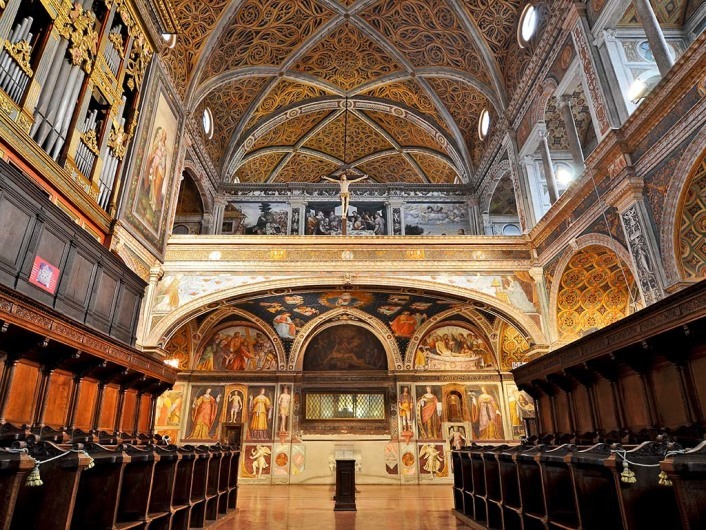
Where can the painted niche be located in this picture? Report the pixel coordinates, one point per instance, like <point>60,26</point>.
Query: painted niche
<point>345,347</point>
<point>237,348</point>
<point>454,347</point>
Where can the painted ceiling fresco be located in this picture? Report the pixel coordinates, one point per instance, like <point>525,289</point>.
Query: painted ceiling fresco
<point>445,333</point>
<point>430,66</point>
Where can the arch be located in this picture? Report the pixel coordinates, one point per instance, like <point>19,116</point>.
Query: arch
<point>539,105</point>
<point>198,176</point>
<point>437,320</point>
<point>169,323</point>
<point>347,315</point>
<point>679,181</point>
<point>586,241</point>
<point>217,317</point>
<point>496,173</point>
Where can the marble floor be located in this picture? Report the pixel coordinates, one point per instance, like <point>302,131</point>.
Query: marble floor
<point>426,507</point>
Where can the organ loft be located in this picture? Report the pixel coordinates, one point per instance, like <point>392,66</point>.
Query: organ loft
<point>439,259</point>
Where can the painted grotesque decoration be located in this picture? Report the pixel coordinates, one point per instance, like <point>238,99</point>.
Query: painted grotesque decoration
<point>454,347</point>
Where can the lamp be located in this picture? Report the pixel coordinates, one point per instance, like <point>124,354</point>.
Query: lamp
<point>564,175</point>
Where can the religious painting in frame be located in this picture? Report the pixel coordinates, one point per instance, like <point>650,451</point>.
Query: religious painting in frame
<point>153,185</point>
<point>485,406</point>
<point>203,413</point>
<point>261,411</point>
<point>432,460</point>
<point>454,346</point>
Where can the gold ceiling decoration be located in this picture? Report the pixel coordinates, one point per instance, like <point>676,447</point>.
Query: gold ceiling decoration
<point>437,170</point>
<point>465,104</point>
<point>400,55</point>
<point>227,106</point>
<point>258,168</point>
<point>429,34</point>
<point>304,168</point>
<point>362,139</point>
<point>347,59</point>
<point>392,168</point>
<point>265,33</point>
<point>291,131</point>
<point>404,132</point>
<point>285,92</point>
<point>409,94</point>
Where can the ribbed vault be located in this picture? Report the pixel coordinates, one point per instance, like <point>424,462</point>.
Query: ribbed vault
<point>275,74</point>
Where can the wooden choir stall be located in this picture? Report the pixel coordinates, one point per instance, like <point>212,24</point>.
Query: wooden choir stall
<point>621,432</point>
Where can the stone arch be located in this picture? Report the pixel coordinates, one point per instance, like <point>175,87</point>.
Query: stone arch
<point>571,316</point>
<point>539,106</point>
<point>497,172</point>
<point>347,315</point>
<point>163,328</point>
<point>680,181</point>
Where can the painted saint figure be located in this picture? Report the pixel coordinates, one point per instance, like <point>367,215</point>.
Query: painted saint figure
<point>284,326</point>
<point>404,324</point>
<point>434,462</point>
<point>405,406</point>
<point>235,404</point>
<point>284,401</point>
<point>428,416</point>
<point>203,414</point>
<point>485,413</point>
<point>260,413</point>
<point>345,195</point>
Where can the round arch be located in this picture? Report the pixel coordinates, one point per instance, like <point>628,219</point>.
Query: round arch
<point>679,183</point>
<point>166,326</point>
<point>344,315</point>
<point>214,320</point>
<point>438,319</point>
<point>579,244</point>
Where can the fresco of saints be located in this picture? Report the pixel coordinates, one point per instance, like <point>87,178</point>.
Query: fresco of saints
<point>206,360</point>
<point>260,414</point>
<point>456,437</point>
<point>404,324</point>
<point>203,414</point>
<point>284,326</point>
<point>157,168</point>
<point>284,401</point>
<point>405,406</point>
<point>485,413</point>
<point>428,416</point>
<point>235,405</point>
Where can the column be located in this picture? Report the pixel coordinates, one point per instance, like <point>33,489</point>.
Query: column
<point>653,32</point>
<point>593,77</point>
<point>548,168</point>
<point>297,220</point>
<point>144,325</point>
<point>572,134</point>
<point>474,216</point>
<point>640,237</point>
<point>537,274</point>
<point>523,195</point>
<point>219,207</point>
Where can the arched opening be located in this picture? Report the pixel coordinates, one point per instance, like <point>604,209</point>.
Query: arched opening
<point>692,224</point>
<point>189,208</point>
<point>503,218</point>
<point>596,289</point>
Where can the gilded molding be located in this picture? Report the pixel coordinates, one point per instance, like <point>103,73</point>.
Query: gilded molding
<point>21,52</point>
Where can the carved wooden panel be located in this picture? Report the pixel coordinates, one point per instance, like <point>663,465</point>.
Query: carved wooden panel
<point>60,385</point>
<point>20,402</point>
<point>86,404</point>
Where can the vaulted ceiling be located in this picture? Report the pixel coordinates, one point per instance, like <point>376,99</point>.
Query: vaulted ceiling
<point>402,82</point>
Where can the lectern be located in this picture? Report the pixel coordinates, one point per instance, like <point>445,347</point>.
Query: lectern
<point>345,485</point>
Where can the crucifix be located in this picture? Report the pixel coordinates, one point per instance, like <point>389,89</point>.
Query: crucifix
<point>345,197</point>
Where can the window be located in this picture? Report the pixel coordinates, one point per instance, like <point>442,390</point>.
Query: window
<point>527,26</point>
<point>344,406</point>
<point>483,124</point>
<point>169,39</point>
<point>207,122</point>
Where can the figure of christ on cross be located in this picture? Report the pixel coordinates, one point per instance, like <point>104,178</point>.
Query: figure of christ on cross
<point>345,195</point>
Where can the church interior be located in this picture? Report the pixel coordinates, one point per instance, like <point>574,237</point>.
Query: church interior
<point>250,247</point>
